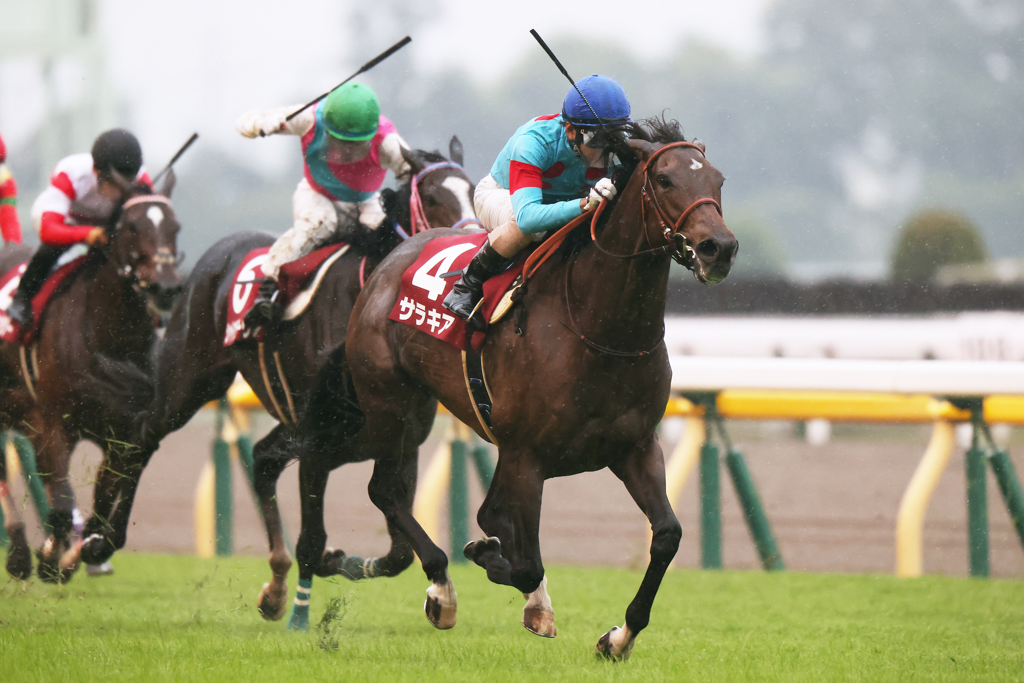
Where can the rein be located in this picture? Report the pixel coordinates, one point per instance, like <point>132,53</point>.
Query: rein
<point>417,214</point>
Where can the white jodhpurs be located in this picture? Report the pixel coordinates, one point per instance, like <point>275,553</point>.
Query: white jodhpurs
<point>493,205</point>
<point>316,219</point>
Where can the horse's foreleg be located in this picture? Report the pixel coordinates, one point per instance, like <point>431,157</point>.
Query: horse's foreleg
<point>267,468</point>
<point>510,515</point>
<point>390,490</point>
<point>97,544</point>
<point>643,473</point>
<point>54,455</point>
<point>309,550</point>
<point>19,557</point>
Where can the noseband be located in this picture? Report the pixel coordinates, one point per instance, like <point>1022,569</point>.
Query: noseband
<point>161,257</point>
<point>419,216</point>
<point>671,228</point>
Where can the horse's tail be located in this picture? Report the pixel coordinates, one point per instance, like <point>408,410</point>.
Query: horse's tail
<point>332,414</point>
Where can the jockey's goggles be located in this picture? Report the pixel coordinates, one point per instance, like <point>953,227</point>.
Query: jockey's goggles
<point>600,138</point>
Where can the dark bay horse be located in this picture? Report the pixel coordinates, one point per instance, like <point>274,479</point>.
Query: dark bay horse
<point>582,389</point>
<point>91,370</point>
<point>193,367</point>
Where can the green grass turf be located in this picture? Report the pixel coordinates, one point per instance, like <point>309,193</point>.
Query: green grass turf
<point>180,618</point>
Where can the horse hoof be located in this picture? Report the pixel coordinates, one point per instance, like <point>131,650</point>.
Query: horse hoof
<point>477,551</point>
<point>19,557</point>
<point>50,572</point>
<point>71,559</point>
<point>440,605</point>
<point>616,645</point>
<point>332,563</point>
<point>103,569</point>
<point>540,621</point>
<point>271,602</point>
<point>96,549</point>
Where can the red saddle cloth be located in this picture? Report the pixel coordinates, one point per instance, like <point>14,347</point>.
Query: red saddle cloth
<point>419,303</point>
<point>290,281</point>
<point>10,331</point>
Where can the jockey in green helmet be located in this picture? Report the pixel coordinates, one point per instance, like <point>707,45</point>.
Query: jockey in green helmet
<point>347,148</point>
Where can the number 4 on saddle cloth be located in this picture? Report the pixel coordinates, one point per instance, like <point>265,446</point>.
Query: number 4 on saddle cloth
<point>423,290</point>
<point>297,282</point>
<point>10,330</point>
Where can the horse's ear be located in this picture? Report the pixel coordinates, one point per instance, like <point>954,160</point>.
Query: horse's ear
<point>414,160</point>
<point>167,184</point>
<point>643,149</point>
<point>455,150</point>
<point>122,183</point>
<point>700,145</point>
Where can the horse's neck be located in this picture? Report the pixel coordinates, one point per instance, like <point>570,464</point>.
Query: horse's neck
<point>120,325</point>
<point>620,302</point>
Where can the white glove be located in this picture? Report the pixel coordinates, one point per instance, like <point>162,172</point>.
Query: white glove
<point>603,189</point>
<point>252,124</point>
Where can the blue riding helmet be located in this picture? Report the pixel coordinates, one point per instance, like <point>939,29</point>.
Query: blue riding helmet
<point>605,95</point>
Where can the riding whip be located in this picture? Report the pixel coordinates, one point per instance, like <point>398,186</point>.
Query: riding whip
<point>177,156</point>
<point>622,147</point>
<point>364,68</point>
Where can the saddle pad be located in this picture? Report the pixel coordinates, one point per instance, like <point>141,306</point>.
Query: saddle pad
<point>292,278</point>
<point>423,290</point>
<point>10,330</point>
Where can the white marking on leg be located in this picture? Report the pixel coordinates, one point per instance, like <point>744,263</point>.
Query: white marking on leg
<point>461,188</point>
<point>155,215</point>
<point>539,598</point>
<point>696,165</point>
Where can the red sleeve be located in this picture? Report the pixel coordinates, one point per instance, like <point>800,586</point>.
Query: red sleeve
<point>522,175</point>
<point>10,226</point>
<point>64,184</point>
<point>56,233</point>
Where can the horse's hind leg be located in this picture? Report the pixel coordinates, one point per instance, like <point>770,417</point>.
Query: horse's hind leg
<point>510,515</point>
<point>19,557</point>
<point>268,464</point>
<point>309,549</point>
<point>643,473</point>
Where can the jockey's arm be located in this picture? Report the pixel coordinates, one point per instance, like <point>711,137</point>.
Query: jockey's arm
<point>525,183</point>
<point>391,156</point>
<point>272,122</point>
<point>50,213</point>
<point>10,225</point>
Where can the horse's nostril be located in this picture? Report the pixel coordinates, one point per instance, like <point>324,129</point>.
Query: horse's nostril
<point>708,249</point>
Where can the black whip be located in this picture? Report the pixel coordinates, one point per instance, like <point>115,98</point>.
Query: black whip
<point>177,155</point>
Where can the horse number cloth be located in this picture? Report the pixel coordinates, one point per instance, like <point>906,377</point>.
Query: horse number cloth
<point>292,277</point>
<point>423,290</point>
<point>10,331</point>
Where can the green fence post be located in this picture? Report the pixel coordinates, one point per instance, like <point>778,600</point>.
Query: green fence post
<point>977,511</point>
<point>222,492</point>
<point>753,511</point>
<point>1009,485</point>
<point>484,466</point>
<point>710,507</point>
<point>458,502</point>
<point>27,455</point>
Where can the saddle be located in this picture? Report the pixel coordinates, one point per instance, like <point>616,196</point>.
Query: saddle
<point>10,330</point>
<point>298,281</point>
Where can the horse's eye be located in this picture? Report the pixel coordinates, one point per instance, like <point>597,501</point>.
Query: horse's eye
<point>664,181</point>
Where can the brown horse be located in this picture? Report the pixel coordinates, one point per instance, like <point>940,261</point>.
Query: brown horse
<point>90,369</point>
<point>193,367</point>
<point>582,388</point>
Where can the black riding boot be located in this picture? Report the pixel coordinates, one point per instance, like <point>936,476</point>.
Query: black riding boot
<point>265,309</point>
<point>469,290</point>
<point>42,262</point>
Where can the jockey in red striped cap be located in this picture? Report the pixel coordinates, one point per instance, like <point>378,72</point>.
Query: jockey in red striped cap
<point>551,170</point>
<point>347,148</point>
<point>75,178</point>
<point>10,226</point>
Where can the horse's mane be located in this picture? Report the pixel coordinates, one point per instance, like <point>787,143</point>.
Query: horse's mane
<point>656,129</point>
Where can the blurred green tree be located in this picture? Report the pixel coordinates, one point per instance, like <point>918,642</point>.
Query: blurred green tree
<point>934,238</point>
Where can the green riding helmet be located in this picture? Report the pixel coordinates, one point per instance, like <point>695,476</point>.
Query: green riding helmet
<point>352,112</point>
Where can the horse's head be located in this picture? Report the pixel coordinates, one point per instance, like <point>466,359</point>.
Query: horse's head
<point>439,193</point>
<point>143,245</point>
<point>683,200</point>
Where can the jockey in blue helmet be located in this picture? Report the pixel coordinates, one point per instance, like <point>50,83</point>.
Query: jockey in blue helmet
<point>551,170</point>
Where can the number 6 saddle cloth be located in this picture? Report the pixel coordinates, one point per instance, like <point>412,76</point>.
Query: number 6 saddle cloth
<point>423,289</point>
